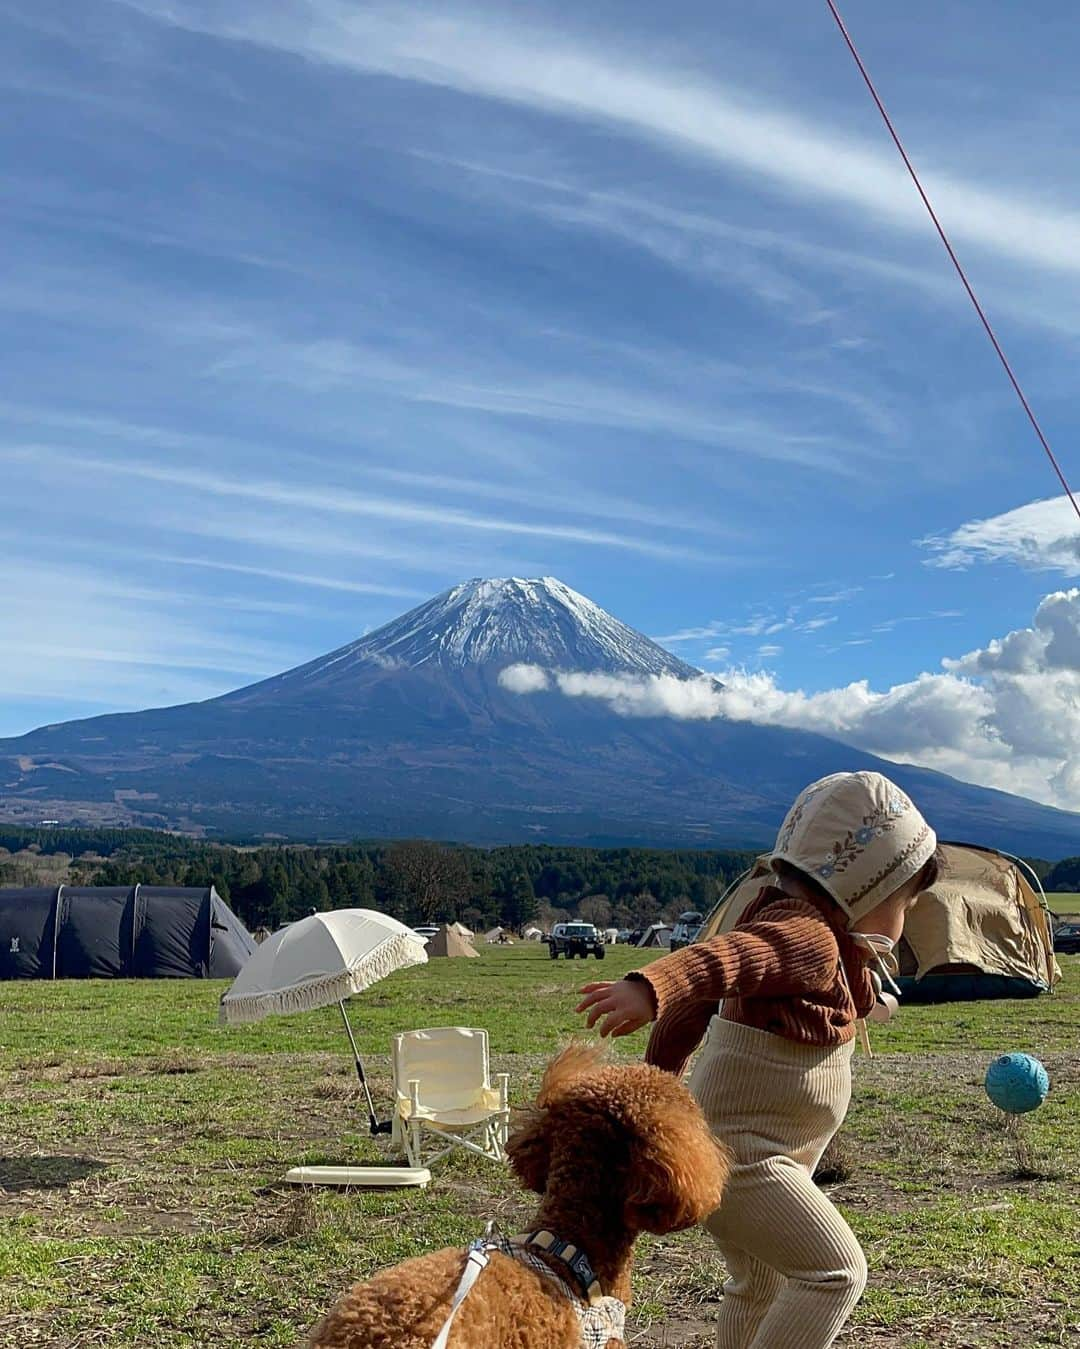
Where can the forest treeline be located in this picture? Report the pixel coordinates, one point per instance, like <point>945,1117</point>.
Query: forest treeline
<point>415,880</point>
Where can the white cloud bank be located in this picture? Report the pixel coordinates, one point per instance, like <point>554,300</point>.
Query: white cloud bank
<point>1006,715</point>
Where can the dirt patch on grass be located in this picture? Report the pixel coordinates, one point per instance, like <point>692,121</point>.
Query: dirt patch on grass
<point>57,1069</point>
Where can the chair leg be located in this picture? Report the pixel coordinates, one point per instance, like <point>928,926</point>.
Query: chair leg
<point>503,1122</point>
<point>414,1122</point>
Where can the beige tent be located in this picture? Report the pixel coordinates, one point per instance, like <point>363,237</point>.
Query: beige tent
<point>462,931</point>
<point>982,931</point>
<point>446,942</point>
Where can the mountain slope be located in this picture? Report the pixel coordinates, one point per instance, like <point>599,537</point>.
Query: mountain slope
<point>410,731</point>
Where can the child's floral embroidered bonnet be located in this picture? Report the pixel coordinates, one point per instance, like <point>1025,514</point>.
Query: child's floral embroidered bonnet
<point>858,835</point>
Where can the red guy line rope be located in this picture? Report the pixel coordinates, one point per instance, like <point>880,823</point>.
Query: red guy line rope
<point>952,255</point>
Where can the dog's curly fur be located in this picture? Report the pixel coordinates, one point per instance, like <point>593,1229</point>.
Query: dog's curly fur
<point>613,1150</point>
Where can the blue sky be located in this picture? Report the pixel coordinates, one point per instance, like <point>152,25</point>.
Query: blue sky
<point>312,309</point>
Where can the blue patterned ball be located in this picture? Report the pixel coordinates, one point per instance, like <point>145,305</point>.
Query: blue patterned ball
<point>1017,1083</point>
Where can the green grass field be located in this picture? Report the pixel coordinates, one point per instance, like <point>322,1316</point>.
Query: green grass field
<point>142,1148</point>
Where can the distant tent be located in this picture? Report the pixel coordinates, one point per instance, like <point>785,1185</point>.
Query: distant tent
<point>611,935</point>
<point>446,942</point>
<point>120,932</point>
<point>981,931</point>
<point>497,934</point>
<point>462,931</point>
<point>659,934</point>
<point>532,934</point>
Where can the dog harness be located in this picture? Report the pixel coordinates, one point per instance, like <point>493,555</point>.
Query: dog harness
<point>600,1318</point>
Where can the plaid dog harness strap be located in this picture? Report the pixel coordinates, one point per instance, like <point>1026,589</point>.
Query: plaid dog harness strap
<point>599,1320</point>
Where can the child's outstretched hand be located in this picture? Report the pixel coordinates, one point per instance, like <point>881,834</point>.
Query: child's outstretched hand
<point>621,1008</point>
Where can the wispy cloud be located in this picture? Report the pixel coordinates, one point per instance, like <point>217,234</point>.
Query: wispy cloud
<point>580,502</point>
<point>669,403</point>
<point>344,502</point>
<point>665,391</point>
<point>72,631</point>
<point>479,54</point>
<point>292,577</point>
<point>1043,536</point>
<point>764,624</point>
<point>938,615</point>
<point>715,628</point>
<point>836,597</point>
<point>788,270</point>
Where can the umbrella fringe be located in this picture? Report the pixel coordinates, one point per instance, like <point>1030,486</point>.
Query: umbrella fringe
<point>395,953</point>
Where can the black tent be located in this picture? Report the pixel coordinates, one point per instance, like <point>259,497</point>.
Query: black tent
<point>120,932</point>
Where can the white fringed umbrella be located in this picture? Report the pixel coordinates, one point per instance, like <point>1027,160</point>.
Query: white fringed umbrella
<point>322,959</point>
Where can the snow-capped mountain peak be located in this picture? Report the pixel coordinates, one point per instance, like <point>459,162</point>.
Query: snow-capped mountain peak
<point>498,622</point>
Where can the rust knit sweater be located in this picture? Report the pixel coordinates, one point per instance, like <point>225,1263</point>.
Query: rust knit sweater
<point>778,969</point>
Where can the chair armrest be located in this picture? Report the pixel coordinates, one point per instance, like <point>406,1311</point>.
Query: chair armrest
<point>503,1079</point>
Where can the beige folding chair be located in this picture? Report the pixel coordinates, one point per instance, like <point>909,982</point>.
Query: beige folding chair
<point>444,1097</point>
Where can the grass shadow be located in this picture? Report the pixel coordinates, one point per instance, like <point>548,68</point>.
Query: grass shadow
<point>44,1173</point>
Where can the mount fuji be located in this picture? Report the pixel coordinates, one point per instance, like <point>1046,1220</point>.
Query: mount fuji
<point>415,729</point>
<point>495,623</point>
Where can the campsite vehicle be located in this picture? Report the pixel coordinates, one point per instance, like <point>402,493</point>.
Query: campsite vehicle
<point>1067,937</point>
<point>575,939</point>
<point>687,926</point>
<point>427,931</point>
<point>982,930</point>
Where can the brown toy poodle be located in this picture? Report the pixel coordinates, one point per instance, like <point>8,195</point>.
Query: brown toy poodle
<point>614,1150</point>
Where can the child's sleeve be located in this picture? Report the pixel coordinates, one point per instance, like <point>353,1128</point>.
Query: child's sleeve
<point>677,1033</point>
<point>791,952</point>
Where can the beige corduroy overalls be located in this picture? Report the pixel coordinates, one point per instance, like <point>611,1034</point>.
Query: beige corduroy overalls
<point>795,1268</point>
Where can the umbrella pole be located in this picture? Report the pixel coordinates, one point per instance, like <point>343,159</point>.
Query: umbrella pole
<point>373,1119</point>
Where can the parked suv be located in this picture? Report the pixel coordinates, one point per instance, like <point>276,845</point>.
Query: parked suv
<point>1067,936</point>
<point>686,929</point>
<point>575,939</point>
